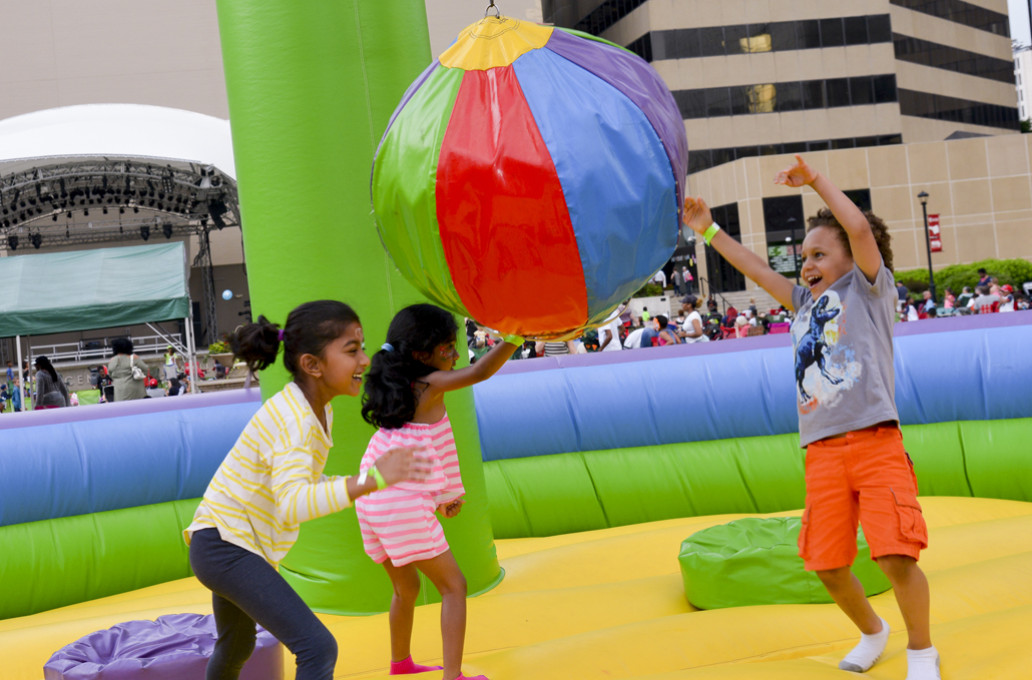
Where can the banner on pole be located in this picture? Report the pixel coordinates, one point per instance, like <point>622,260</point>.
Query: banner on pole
<point>934,235</point>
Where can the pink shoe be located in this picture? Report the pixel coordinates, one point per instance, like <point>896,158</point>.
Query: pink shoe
<point>407,667</point>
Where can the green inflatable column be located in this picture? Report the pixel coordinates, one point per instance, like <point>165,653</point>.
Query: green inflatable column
<point>311,87</point>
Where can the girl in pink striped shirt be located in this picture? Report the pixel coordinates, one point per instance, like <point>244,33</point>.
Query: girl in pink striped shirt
<point>404,397</point>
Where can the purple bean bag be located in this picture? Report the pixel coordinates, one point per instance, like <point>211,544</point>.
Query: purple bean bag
<point>174,647</point>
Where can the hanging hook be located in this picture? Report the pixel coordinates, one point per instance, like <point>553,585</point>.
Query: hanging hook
<point>487,11</point>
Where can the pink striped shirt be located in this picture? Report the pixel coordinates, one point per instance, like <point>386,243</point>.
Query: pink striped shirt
<point>435,441</point>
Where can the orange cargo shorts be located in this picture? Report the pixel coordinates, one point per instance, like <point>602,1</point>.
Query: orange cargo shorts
<point>863,476</point>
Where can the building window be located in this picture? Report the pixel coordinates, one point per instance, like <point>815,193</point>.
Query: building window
<point>949,58</point>
<point>785,228</point>
<point>701,159</point>
<point>925,105</point>
<point>724,278</point>
<point>776,36</point>
<point>785,96</point>
<point>960,12</point>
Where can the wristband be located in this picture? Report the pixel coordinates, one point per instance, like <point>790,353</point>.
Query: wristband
<point>710,232</point>
<point>513,339</point>
<point>381,483</point>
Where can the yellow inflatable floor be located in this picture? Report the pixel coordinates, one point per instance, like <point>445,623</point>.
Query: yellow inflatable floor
<point>610,604</point>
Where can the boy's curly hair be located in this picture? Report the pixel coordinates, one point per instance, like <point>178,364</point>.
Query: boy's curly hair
<point>824,218</point>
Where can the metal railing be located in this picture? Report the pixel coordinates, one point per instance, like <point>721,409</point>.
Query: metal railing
<point>99,349</point>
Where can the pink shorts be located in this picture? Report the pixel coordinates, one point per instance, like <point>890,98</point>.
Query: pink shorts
<point>400,525</point>
<point>863,476</point>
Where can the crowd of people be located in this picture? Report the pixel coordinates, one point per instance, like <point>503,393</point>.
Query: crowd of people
<point>126,377</point>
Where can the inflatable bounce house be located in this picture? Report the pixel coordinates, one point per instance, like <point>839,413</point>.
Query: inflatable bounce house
<point>610,497</point>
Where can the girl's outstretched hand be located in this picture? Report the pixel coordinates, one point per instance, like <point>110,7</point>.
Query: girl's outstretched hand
<point>696,214</point>
<point>796,175</point>
<point>451,509</point>
<point>403,464</point>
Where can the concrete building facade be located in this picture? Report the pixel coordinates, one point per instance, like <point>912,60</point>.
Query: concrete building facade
<point>870,90</point>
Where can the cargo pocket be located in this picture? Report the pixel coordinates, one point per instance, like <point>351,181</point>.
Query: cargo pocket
<point>804,533</point>
<point>911,522</point>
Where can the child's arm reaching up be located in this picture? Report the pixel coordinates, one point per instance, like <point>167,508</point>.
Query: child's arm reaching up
<point>486,366</point>
<point>697,217</point>
<point>861,239</point>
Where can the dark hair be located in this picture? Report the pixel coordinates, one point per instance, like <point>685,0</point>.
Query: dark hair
<point>824,218</point>
<point>389,399</point>
<point>309,328</point>
<point>122,346</point>
<point>43,364</point>
<point>662,321</point>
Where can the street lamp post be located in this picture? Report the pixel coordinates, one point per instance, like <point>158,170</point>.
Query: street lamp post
<point>923,197</point>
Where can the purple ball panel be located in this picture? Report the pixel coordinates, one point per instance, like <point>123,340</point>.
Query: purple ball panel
<point>641,84</point>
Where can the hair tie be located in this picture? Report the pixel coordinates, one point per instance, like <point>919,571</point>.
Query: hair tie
<point>280,335</point>
<point>387,347</point>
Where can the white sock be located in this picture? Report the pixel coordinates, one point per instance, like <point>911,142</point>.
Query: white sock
<point>868,650</point>
<point>923,664</point>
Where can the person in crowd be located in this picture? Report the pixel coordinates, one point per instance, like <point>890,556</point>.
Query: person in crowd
<point>609,334</point>
<point>965,298</point>
<point>633,339</point>
<point>856,466</point>
<point>10,375</point>
<point>404,398</point>
<point>910,312</point>
<point>692,329</point>
<point>927,303</point>
<point>4,397</point>
<point>985,302</point>
<point>50,388</point>
<point>712,320</point>
<point>983,278</point>
<point>666,333</point>
<point>742,326</point>
<point>175,386</point>
<point>555,348</point>
<point>902,292</point>
<point>677,282</point>
<point>1007,298</point>
<point>949,300</point>
<point>172,364</point>
<point>272,481</point>
<point>689,280</point>
<point>16,396</point>
<point>127,380</point>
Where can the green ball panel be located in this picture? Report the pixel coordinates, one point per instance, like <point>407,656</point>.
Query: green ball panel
<point>755,561</point>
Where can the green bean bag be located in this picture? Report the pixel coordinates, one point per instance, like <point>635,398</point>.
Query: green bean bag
<point>755,561</point>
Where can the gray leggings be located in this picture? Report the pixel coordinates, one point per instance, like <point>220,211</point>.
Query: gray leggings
<point>246,589</point>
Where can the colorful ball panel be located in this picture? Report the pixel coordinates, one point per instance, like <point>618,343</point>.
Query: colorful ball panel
<point>547,187</point>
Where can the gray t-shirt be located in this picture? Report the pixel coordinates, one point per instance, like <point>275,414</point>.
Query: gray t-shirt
<point>842,344</point>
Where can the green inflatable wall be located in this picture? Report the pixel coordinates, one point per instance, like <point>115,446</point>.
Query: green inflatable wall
<point>311,88</point>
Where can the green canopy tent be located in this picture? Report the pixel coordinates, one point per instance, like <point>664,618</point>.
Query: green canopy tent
<point>100,288</point>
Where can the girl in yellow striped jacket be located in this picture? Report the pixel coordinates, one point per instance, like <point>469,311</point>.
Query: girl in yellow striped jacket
<point>272,480</point>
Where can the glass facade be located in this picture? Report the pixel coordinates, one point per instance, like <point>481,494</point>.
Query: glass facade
<point>960,12</point>
<point>777,36</point>
<point>940,107</point>
<point>700,159</point>
<point>786,96</point>
<point>932,54</point>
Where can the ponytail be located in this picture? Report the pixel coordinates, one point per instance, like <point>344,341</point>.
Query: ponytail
<point>390,396</point>
<point>309,328</point>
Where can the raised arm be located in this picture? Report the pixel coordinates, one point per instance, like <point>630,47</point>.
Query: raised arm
<point>861,238</point>
<point>486,366</point>
<point>697,216</point>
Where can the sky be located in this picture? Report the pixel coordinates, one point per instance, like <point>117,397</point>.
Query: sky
<point>1019,20</point>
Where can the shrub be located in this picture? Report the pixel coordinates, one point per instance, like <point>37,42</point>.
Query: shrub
<point>956,276</point>
<point>649,290</point>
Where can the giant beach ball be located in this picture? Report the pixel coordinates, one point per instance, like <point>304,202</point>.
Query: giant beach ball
<point>531,178</point>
